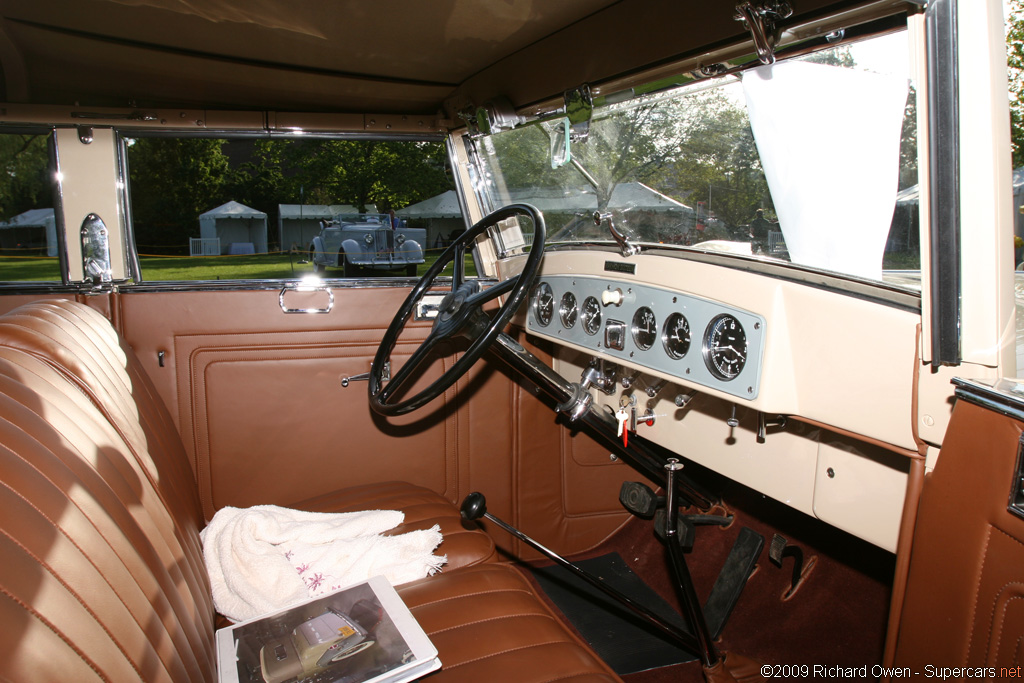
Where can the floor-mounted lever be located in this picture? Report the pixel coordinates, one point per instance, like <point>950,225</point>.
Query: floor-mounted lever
<point>475,506</point>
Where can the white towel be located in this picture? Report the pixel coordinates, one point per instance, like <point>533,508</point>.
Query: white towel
<point>264,558</point>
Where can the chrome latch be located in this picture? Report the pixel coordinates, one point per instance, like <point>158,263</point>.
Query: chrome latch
<point>760,18</point>
<point>95,251</point>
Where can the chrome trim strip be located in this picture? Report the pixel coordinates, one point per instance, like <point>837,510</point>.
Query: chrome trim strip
<point>1006,397</point>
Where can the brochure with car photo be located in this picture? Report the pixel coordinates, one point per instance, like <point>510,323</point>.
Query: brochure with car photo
<point>360,634</point>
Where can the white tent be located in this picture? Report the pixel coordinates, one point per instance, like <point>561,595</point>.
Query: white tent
<point>444,216</point>
<point>624,196</point>
<point>444,205</point>
<point>239,228</point>
<point>298,224</point>
<point>33,229</point>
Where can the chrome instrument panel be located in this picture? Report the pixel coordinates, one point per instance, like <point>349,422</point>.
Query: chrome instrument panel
<point>696,340</point>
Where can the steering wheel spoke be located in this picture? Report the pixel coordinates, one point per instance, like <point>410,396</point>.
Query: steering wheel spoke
<point>491,293</point>
<point>418,358</point>
<point>459,266</point>
<point>459,314</point>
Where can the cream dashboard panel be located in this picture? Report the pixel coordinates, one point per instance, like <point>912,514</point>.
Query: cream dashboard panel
<point>819,355</point>
<point>813,353</point>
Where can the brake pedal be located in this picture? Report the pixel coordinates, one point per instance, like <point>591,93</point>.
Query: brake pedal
<point>639,499</point>
<point>779,550</point>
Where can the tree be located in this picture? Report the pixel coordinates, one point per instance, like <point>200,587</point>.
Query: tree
<point>1015,63</point>
<point>173,180</point>
<point>386,173</point>
<point>25,181</point>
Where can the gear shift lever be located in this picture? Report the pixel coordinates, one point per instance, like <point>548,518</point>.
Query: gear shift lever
<point>474,506</point>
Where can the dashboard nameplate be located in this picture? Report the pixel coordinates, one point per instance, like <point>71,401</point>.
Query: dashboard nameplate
<point>620,267</point>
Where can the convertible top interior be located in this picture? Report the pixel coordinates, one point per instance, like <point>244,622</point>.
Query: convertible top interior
<point>713,302</point>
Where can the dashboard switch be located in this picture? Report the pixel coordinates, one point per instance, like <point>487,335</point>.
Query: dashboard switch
<point>611,297</point>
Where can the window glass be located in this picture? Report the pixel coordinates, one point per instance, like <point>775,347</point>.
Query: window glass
<point>229,209</point>
<point>28,225</point>
<point>811,161</point>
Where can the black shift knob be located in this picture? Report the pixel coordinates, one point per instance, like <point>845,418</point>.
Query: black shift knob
<point>474,506</point>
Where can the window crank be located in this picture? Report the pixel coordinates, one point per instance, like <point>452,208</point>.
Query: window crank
<point>363,376</point>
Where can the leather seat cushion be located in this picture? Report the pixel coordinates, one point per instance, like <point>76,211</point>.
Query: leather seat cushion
<point>423,509</point>
<point>488,624</point>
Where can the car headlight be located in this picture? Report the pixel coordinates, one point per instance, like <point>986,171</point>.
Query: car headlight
<point>368,238</point>
<point>400,240</point>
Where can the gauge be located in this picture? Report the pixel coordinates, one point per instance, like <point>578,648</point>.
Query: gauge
<point>591,316</point>
<point>645,328</point>
<point>544,304</point>
<point>676,335</point>
<point>567,310</point>
<point>725,347</point>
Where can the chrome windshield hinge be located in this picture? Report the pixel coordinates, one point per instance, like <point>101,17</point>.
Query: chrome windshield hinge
<point>760,18</point>
<point>625,248</point>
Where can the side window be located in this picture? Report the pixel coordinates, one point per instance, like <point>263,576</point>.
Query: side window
<point>29,232</point>
<point>279,208</point>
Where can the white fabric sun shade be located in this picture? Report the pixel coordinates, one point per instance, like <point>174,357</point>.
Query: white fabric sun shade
<point>829,141</point>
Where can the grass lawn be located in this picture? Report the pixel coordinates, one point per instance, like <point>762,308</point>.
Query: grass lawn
<point>247,267</point>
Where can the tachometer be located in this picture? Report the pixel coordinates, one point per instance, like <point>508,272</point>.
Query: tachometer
<point>544,304</point>
<point>676,335</point>
<point>567,310</point>
<point>591,316</point>
<point>725,347</point>
<point>644,328</point>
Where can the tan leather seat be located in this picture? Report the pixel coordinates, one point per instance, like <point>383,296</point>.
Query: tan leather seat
<point>81,343</point>
<point>103,577</point>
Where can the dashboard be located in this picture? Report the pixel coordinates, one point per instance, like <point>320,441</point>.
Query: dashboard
<point>686,337</point>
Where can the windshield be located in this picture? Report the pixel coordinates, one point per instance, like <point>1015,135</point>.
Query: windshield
<point>811,161</point>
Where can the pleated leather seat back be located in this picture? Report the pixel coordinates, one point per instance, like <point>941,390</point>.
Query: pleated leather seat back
<point>101,581</point>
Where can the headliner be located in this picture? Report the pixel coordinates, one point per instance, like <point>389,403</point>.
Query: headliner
<point>390,56</point>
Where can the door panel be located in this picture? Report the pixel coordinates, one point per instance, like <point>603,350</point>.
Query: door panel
<point>966,579</point>
<point>257,397</point>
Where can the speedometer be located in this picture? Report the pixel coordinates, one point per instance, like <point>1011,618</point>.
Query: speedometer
<point>591,316</point>
<point>544,304</point>
<point>644,328</point>
<point>725,347</point>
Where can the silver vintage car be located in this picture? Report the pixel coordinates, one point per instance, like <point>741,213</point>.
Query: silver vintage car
<point>366,240</point>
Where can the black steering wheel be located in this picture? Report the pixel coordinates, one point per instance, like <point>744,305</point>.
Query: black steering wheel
<point>460,313</point>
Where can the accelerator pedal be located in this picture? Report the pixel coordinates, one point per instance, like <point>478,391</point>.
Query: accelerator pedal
<point>730,582</point>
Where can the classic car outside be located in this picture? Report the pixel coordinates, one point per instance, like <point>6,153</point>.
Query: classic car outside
<point>314,645</point>
<point>850,400</point>
<point>351,242</point>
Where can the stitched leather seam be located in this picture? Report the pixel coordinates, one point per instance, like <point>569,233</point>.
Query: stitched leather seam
<point>580,673</point>
<point>977,590</point>
<point>1006,607</point>
<point>505,652</point>
<point>470,595</point>
<point>992,624</point>
<point>45,565</point>
<point>45,622</point>
<point>485,621</point>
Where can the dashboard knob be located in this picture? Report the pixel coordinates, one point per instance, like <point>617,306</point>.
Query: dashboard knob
<point>611,296</point>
